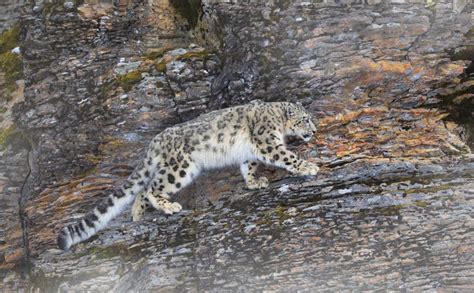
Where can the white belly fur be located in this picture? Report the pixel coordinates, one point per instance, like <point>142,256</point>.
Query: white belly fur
<point>236,154</point>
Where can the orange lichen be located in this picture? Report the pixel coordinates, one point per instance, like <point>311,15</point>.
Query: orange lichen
<point>14,256</point>
<point>391,66</point>
<point>368,132</point>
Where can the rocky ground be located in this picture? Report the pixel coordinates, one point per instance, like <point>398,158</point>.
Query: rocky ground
<point>391,85</point>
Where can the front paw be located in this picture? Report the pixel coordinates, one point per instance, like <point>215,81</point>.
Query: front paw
<point>172,208</point>
<point>259,183</point>
<point>307,169</point>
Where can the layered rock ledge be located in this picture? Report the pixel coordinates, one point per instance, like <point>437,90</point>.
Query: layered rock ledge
<point>390,82</point>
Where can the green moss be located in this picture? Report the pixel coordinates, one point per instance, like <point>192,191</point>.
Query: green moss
<point>421,204</point>
<point>280,212</point>
<point>10,64</point>
<point>159,84</point>
<point>200,55</point>
<point>53,7</point>
<point>435,188</point>
<point>156,54</point>
<point>161,66</point>
<point>9,39</point>
<point>189,9</point>
<point>392,210</point>
<point>3,109</point>
<point>106,89</point>
<point>106,252</point>
<point>128,80</point>
<point>14,136</point>
<point>6,135</point>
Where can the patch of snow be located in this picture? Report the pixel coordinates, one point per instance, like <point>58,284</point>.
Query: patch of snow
<point>344,191</point>
<point>284,188</point>
<point>16,50</point>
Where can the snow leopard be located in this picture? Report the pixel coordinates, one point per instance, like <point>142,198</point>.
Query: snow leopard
<point>245,135</point>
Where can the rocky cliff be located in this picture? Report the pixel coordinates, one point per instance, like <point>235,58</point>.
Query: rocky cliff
<point>9,13</point>
<point>389,81</point>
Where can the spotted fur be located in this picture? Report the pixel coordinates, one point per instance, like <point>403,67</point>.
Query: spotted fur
<point>245,135</point>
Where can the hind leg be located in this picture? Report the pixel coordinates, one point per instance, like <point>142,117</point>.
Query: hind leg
<point>142,203</point>
<point>248,170</point>
<point>168,181</point>
<point>139,207</point>
<point>159,198</point>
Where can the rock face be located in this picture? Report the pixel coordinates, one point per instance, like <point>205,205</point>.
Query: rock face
<point>9,13</point>
<point>13,147</point>
<point>390,83</point>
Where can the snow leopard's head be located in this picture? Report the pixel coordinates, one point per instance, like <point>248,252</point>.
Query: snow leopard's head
<point>299,122</point>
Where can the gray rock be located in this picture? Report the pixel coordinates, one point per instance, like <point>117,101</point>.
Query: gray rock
<point>389,210</point>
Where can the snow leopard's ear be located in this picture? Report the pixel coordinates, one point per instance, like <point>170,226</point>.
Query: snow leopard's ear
<point>290,111</point>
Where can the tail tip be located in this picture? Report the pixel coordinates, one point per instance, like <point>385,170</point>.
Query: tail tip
<point>62,241</point>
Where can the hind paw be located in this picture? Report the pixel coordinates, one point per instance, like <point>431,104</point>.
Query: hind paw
<point>259,183</point>
<point>137,216</point>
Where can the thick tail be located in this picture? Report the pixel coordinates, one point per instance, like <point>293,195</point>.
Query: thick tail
<point>115,203</point>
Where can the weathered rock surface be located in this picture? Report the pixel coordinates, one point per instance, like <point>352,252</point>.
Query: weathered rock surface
<point>373,224</point>
<point>390,84</point>
<point>13,147</point>
<point>9,13</point>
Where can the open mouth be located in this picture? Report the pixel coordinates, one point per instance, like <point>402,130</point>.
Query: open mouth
<point>297,139</point>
